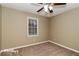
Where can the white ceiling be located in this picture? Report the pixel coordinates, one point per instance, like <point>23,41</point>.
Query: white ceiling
<point>31,7</point>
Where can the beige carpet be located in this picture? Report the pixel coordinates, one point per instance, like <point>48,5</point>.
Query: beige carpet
<point>45,49</point>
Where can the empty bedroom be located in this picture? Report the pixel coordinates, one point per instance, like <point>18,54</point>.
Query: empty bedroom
<point>39,29</point>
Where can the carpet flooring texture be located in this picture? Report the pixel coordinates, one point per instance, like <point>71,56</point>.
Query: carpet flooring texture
<point>45,49</point>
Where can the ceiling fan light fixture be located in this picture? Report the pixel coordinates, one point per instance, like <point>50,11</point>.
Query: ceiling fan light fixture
<point>46,8</point>
<point>50,7</point>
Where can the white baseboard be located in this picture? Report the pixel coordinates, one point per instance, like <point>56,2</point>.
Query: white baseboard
<point>64,46</point>
<point>9,49</point>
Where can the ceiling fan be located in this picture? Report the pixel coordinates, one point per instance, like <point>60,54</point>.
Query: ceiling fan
<point>48,7</point>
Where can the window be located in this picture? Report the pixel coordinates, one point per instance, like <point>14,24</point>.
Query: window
<point>32,26</point>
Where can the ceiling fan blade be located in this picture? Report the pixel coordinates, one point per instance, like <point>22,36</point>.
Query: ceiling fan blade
<point>40,9</point>
<point>40,3</point>
<point>59,3</point>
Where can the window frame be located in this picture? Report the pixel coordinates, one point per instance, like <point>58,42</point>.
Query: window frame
<point>33,18</point>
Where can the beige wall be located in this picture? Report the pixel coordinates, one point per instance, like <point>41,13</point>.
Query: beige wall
<point>65,29</point>
<point>0,26</point>
<point>14,28</point>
